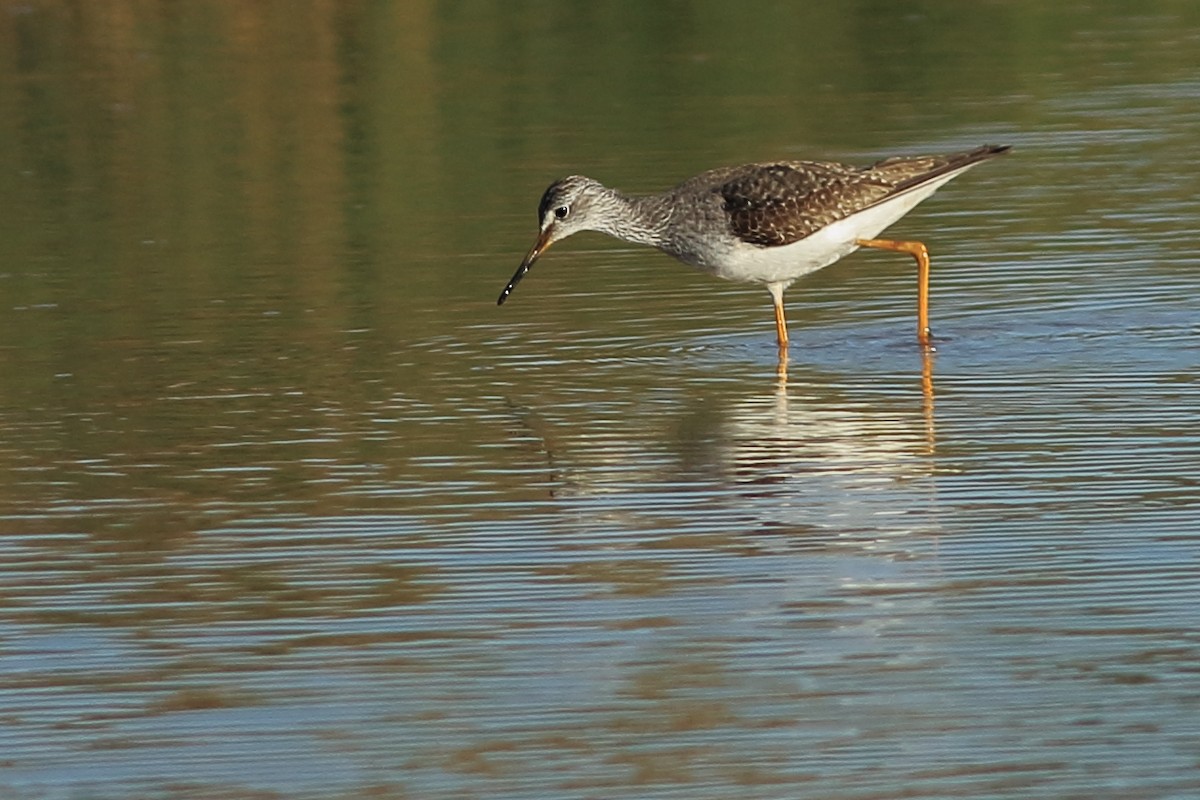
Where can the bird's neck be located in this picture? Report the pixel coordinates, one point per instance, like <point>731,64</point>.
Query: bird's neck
<point>638,219</point>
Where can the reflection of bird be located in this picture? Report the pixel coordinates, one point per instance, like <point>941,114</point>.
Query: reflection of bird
<point>767,223</point>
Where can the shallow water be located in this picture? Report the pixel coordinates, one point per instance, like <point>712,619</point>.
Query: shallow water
<point>291,509</point>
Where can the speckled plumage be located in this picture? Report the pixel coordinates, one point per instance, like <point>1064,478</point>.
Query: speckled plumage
<point>779,203</point>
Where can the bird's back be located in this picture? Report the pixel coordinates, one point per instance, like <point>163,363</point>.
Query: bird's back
<point>772,204</point>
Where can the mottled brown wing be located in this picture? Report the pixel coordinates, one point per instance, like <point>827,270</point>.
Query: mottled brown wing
<point>778,204</point>
<point>906,172</point>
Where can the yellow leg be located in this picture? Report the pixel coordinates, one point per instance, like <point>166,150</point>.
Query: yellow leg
<point>781,327</point>
<point>781,334</point>
<point>918,251</point>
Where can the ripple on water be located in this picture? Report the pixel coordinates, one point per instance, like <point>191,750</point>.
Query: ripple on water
<point>589,545</point>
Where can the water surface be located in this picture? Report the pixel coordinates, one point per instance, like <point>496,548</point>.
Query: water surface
<point>290,508</point>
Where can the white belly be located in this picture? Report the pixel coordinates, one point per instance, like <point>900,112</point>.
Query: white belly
<point>783,265</point>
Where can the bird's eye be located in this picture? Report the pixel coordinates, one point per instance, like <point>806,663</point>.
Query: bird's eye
<point>561,212</point>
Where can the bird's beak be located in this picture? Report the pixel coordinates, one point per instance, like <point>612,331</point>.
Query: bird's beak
<point>539,247</point>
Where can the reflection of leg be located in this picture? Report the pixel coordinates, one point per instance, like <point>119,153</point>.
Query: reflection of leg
<point>927,399</point>
<point>776,290</point>
<point>918,251</point>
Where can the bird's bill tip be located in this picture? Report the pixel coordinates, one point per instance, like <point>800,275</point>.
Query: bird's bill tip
<point>535,252</point>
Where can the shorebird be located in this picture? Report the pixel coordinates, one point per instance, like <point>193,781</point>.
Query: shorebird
<point>768,223</point>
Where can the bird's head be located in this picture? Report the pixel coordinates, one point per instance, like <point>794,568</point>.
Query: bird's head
<point>568,206</point>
